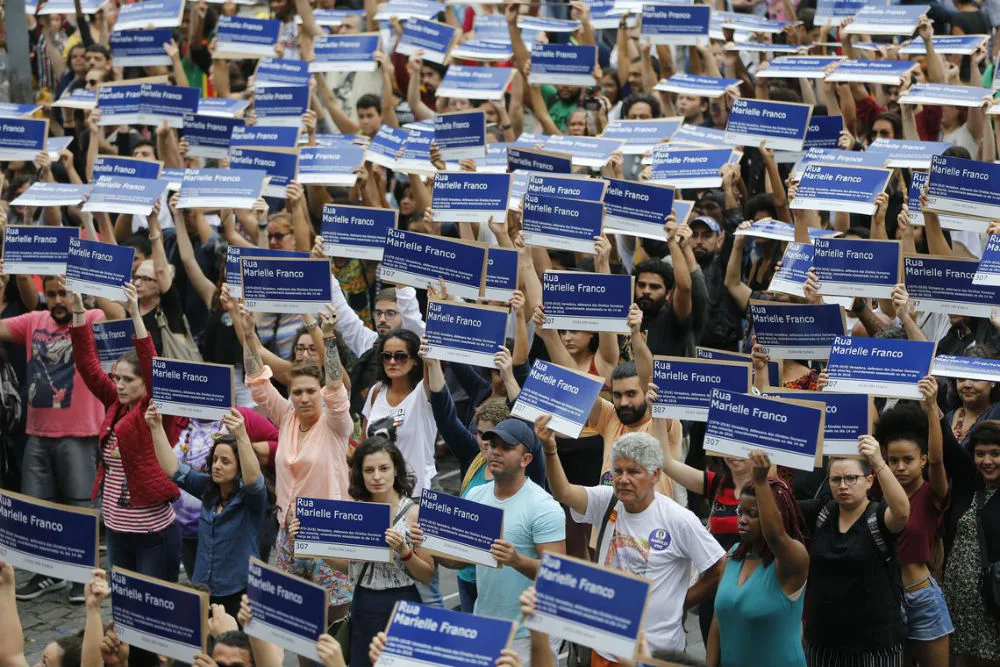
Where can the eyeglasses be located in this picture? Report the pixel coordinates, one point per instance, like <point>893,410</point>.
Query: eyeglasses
<point>302,349</point>
<point>398,357</point>
<point>850,480</point>
<point>386,314</point>
<point>277,236</point>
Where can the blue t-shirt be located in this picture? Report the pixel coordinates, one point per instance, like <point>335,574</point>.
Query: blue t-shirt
<point>531,516</point>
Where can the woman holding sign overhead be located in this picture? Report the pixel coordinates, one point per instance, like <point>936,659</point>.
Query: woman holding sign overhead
<point>136,494</point>
<point>854,607</point>
<point>314,424</point>
<point>399,404</point>
<point>378,475</point>
<point>233,503</point>
<point>758,605</point>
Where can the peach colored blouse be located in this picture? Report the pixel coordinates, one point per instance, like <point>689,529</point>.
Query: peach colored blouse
<point>311,464</point>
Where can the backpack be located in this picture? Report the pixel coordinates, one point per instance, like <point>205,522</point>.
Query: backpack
<point>888,557</point>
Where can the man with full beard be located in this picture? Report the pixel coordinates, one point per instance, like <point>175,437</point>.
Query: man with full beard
<point>664,294</point>
<point>64,418</point>
<point>628,412</point>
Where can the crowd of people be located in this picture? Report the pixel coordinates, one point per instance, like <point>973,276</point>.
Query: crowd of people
<point>878,559</point>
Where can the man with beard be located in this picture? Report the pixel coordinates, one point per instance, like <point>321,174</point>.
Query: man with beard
<point>628,411</point>
<point>394,308</point>
<point>663,293</point>
<point>64,418</point>
<point>711,243</point>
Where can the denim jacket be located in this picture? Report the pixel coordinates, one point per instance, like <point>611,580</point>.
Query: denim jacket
<point>226,539</point>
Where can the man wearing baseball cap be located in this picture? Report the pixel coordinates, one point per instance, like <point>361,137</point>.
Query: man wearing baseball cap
<point>533,523</point>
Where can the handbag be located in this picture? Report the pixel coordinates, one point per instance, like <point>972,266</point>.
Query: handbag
<point>989,576</point>
<point>175,345</point>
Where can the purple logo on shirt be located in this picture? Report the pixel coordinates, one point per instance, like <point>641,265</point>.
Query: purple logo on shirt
<point>659,539</point>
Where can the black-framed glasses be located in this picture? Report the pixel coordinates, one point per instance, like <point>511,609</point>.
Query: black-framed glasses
<point>850,480</point>
<point>398,357</point>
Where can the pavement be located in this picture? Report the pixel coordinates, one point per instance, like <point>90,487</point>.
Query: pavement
<point>51,616</point>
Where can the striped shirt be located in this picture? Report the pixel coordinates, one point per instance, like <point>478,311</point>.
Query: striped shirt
<point>119,514</point>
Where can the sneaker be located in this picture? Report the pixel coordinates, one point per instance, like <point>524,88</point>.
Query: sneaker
<point>40,585</point>
<point>76,595</point>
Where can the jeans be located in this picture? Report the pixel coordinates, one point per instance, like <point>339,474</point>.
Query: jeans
<point>61,470</point>
<point>467,594</point>
<point>153,554</point>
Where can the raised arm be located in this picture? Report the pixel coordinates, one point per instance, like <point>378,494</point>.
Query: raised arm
<point>202,286</point>
<point>249,465</point>
<point>11,634</point>
<point>573,496</point>
<point>690,478</point>
<point>937,475</point>
<point>165,455</point>
<point>682,275</point>
<point>791,556</point>
<point>332,364</point>
<point>94,593</point>
<point>898,509</point>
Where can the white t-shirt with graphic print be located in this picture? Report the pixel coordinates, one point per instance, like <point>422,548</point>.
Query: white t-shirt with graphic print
<point>662,543</point>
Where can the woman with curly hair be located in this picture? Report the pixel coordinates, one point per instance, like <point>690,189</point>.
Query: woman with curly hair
<point>378,475</point>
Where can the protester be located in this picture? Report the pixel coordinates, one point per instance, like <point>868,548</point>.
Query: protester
<point>234,502</point>
<point>913,445</point>
<point>136,495</point>
<point>311,459</point>
<point>853,549</point>
<point>846,194</point>
<point>758,618</point>
<point>643,532</point>
<point>399,401</point>
<point>377,587</point>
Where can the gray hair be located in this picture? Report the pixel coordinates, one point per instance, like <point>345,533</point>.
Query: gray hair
<point>642,448</point>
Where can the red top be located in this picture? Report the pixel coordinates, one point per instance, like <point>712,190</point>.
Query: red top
<point>922,527</point>
<point>722,517</point>
<point>147,482</point>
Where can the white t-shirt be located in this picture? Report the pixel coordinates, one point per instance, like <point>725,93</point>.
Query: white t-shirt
<point>661,543</point>
<point>416,431</point>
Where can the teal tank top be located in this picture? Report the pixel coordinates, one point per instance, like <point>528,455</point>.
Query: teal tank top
<point>759,626</point>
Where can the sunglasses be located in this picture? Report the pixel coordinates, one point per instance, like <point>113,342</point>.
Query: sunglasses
<point>398,357</point>
<point>93,82</point>
<point>277,236</point>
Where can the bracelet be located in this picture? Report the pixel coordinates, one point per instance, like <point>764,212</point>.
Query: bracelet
<point>554,452</point>
<point>407,557</point>
<point>880,469</point>
<point>154,237</point>
<point>79,312</point>
<point>311,325</point>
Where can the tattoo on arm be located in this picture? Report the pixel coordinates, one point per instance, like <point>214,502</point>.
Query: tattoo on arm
<point>334,369</point>
<point>252,364</point>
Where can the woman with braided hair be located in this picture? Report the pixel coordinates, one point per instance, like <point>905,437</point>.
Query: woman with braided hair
<point>758,605</point>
